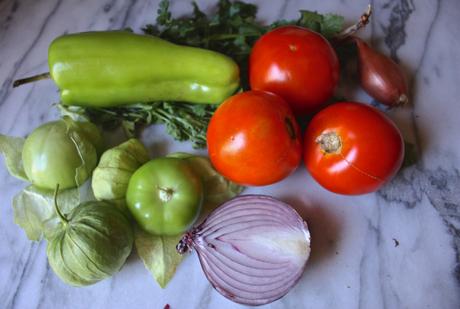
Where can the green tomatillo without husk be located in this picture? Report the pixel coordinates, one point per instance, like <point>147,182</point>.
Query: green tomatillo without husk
<point>165,196</point>
<point>61,152</point>
<point>91,243</point>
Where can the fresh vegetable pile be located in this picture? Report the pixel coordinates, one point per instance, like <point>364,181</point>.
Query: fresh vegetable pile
<point>226,82</point>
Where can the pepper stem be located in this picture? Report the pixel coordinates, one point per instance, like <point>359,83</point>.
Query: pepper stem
<point>330,142</point>
<point>31,79</point>
<point>56,207</point>
<point>363,21</point>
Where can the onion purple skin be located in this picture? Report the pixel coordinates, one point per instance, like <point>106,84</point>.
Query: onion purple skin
<point>253,249</point>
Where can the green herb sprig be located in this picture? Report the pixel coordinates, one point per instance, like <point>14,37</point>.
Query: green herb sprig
<point>184,121</point>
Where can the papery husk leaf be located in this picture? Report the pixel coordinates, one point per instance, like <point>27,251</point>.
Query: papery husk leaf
<point>158,254</point>
<point>85,149</point>
<point>92,243</point>
<point>34,210</point>
<point>115,168</point>
<point>11,148</point>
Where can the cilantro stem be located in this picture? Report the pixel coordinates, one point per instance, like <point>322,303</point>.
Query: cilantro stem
<point>221,37</point>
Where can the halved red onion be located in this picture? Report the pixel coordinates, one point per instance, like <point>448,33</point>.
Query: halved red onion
<point>253,249</point>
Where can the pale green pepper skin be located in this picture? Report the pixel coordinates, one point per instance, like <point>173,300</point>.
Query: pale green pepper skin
<point>114,68</point>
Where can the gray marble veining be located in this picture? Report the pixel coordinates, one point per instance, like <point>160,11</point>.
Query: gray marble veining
<point>397,248</point>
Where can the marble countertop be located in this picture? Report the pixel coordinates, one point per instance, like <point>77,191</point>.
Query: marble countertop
<point>397,248</point>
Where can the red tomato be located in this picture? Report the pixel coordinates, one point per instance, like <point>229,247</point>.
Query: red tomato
<point>254,139</point>
<point>296,63</point>
<point>352,148</point>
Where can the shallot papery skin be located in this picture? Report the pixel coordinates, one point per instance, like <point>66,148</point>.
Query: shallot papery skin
<point>381,77</point>
<point>253,249</point>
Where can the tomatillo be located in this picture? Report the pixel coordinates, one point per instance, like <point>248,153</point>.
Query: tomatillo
<point>165,196</point>
<point>61,152</point>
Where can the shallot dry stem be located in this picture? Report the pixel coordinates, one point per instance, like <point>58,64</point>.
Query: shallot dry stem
<point>363,21</point>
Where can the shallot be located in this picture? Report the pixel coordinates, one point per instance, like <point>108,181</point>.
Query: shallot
<point>380,76</point>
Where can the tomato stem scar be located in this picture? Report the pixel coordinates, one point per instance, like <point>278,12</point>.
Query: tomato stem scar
<point>329,142</point>
<point>165,194</point>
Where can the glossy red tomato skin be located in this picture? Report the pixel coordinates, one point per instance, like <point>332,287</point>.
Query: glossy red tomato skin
<point>296,63</point>
<point>372,149</point>
<point>253,139</point>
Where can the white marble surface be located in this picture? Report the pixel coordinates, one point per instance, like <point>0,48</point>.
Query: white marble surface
<point>355,262</point>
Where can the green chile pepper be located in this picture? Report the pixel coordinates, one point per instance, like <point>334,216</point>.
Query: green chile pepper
<point>113,68</point>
